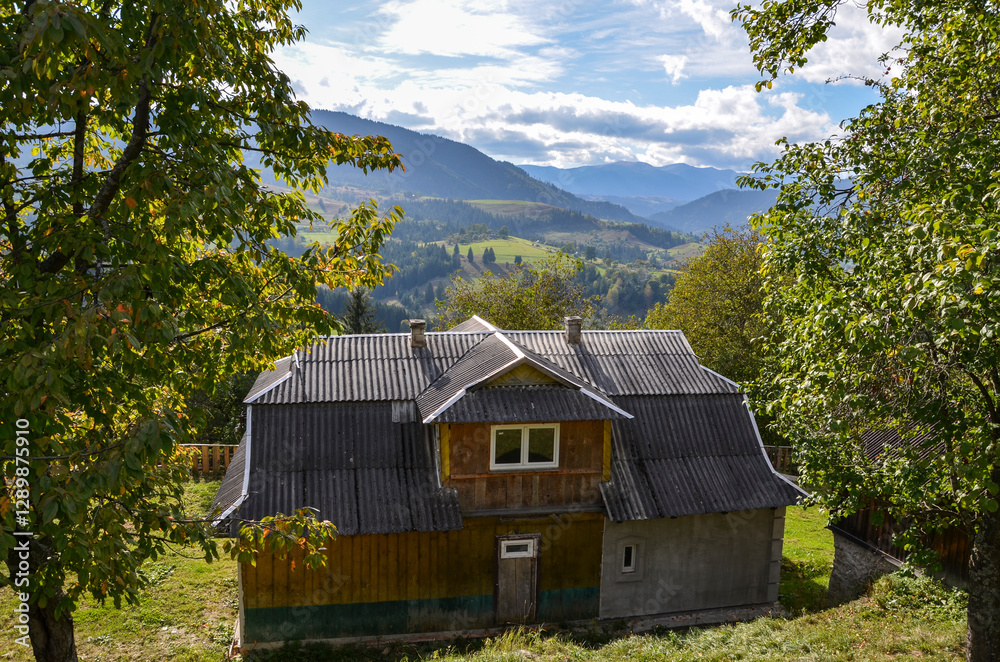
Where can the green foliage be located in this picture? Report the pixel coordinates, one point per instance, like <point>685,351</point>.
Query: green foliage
<point>899,592</point>
<point>222,409</point>
<point>717,302</point>
<point>360,315</point>
<point>891,237</point>
<point>135,260</point>
<point>534,296</point>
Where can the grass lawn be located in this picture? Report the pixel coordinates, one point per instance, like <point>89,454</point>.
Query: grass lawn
<point>188,613</point>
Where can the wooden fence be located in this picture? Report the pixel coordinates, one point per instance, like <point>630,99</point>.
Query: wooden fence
<point>211,458</point>
<point>781,459</point>
<point>953,545</point>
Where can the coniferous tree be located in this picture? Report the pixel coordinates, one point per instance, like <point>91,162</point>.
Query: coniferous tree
<point>359,316</point>
<point>472,258</point>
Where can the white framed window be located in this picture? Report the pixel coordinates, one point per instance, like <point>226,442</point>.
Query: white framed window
<point>517,549</point>
<point>532,446</point>
<point>628,558</point>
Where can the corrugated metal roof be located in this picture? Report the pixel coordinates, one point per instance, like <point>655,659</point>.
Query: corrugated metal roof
<point>232,483</point>
<point>267,380</point>
<point>689,455</point>
<point>474,323</point>
<point>493,356</point>
<point>362,459</point>
<point>526,404</point>
<point>888,442</point>
<point>385,367</point>
<point>486,358</point>
<point>351,462</point>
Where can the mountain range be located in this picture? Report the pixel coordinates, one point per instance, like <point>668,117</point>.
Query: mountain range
<point>676,197</point>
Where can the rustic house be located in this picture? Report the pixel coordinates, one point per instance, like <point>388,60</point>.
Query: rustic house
<point>481,477</point>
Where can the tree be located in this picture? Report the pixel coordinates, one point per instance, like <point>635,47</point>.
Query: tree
<point>486,256</point>
<point>718,304</point>
<point>590,253</point>
<point>504,233</point>
<point>359,316</point>
<point>891,237</point>
<point>472,258</point>
<point>455,252</point>
<point>137,272</point>
<point>517,259</point>
<point>530,297</point>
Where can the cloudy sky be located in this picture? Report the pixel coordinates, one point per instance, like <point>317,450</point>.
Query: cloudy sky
<point>575,82</point>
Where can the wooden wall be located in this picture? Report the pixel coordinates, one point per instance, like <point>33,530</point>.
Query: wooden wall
<point>433,581</point>
<point>952,545</point>
<point>576,481</point>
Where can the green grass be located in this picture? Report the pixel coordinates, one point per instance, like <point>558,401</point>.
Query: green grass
<point>188,612</point>
<point>807,559</point>
<point>686,251</point>
<point>506,249</point>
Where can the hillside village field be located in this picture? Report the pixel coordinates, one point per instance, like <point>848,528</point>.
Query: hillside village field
<point>187,612</point>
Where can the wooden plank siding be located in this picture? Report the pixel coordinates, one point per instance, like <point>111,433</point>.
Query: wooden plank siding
<point>421,581</point>
<point>583,447</point>
<point>952,545</point>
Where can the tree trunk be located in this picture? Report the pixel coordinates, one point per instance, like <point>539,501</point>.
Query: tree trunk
<point>52,639</point>
<point>982,642</point>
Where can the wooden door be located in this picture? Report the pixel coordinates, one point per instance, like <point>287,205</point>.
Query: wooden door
<point>517,579</point>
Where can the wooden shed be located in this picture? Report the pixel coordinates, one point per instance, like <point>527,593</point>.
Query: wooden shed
<point>480,478</point>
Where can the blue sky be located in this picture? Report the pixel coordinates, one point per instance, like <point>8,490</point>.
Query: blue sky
<point>576,82</point>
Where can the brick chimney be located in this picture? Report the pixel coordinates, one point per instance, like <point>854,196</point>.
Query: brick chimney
<point>573,329</point>
<point>417,337</point>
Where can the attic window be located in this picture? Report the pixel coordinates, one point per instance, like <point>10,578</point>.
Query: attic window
<point>524,447</point>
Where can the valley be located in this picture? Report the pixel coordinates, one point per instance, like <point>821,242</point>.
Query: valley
<point>630,226</point>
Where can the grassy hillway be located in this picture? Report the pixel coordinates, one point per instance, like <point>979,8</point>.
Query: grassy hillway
<point>187,614</point>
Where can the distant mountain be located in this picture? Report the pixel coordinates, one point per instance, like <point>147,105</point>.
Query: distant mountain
<point>443,168</point>
<point>715,210</point>
<point>679,181</point>
<point>640,205</point>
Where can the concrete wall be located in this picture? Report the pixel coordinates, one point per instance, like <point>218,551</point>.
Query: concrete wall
<point>692,563</point>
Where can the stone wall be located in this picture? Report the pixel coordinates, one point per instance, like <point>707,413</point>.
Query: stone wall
<point>854,568</point>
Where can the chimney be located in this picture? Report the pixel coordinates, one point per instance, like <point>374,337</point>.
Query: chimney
<point>573,333</point>
<point>417,337</point>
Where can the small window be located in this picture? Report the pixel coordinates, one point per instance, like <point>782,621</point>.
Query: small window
<point>517,549</point>
<point>524,447</point>
<point>628,558</point>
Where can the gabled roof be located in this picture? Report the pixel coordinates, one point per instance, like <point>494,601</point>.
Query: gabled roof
<point>492,358</point>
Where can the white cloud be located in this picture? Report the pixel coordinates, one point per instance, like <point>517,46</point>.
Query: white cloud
<point>456,28</point>
<point>852,48</point>
<point>714,21</point>
<point>674,66</point>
